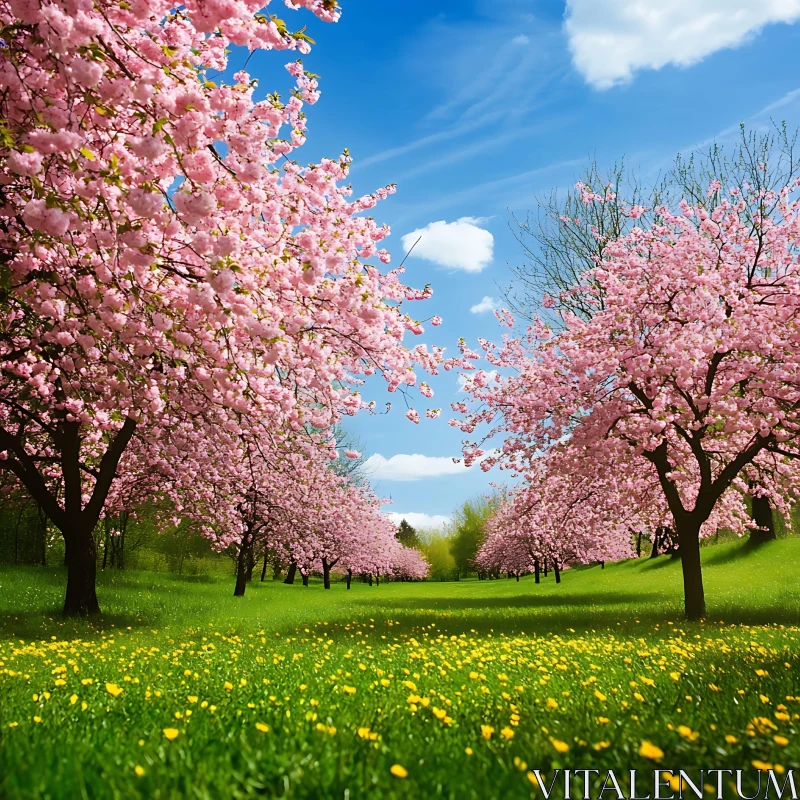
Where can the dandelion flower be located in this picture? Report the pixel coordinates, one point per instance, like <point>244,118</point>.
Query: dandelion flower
<point>649,750</point>
<point>398,771</point>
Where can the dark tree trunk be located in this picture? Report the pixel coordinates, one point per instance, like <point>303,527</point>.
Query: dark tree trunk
<point>290,573</point>
<point>377,580</point>
<point>264,568</point>
<point>106,542</point>
<point>602,565</point>
<point>694,595</point>
<point>517,576</point>
<point>81,597</point>
<point>764,518</point>
<point>545,568</point>
<point>556,571</point>
<point>656,541</point>
<point>639,545</point>
<point>305,577</point>
<point>370,580</point>
<point>349,577</point>
<point>123,530</point>
<point>536,576</point>
<point>241,568</point>
<point>326,574</point>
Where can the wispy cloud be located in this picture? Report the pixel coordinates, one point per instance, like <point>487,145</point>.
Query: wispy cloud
<point>417,519</point>
<point>487,304</point>
<point>411,467</point>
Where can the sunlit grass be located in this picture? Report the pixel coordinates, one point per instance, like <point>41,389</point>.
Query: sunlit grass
<point>457,689</point>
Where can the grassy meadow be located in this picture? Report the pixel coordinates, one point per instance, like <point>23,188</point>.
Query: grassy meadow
<point>399,690</point>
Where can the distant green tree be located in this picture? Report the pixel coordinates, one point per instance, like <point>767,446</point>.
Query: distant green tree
<point>469,524</point>
<point>437,552</point>
<point>406,535</point>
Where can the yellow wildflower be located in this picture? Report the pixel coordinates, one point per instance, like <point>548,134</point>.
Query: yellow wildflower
<point>398,771</point>
<point>649,750</point>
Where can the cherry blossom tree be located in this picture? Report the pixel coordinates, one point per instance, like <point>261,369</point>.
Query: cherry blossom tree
<point>162,255</point>
<point>691,365</point>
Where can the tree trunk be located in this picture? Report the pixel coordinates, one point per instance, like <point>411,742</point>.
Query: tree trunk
<point>377,580</point>
<point>370,579</point>
<point>123,529</point>
<point>305,577</point>
<point>764,518</point>
<point>241,569</point>
<point>264,568</point>
<point>693,593</point>
<point>656,541</point>
<point>517,576</point>
<point>556,571</point>
<point>106,543</point>
<point>639,545</point>
<point>326,574</point>
<point>81,597</point>
<point>349,577</point>
<point>602,565</point>
<point>290,573</point>
<point>536,575</point>
<point>545,568</point>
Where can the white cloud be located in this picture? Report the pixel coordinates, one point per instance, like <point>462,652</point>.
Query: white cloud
<point>521,39</point>
<point>459,245</point>
<point>417,519</point>
<point>612,39</point>
<point>487,304</point>
<point>404,467</point>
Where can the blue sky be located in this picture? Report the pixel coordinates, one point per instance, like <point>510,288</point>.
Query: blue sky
<point>476,107</point>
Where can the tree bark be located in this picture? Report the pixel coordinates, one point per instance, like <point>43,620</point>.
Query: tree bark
<point>377,580</point>
<point>656,542</point>
<point>264,568</point>
<point>764,517</point>
<point>370,579</point>
<point>536,575</point>
<point>81,596</point>
<point>694,595</point>
<point>639,545</point>
<point>123,529</point>
<point>290,573</point>
<point>241,568</point>
<point>305,577</point>
<point>349,577</point>
<point>326,574</point>
<point>556,571</point>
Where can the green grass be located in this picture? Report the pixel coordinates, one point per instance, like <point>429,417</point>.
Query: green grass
<point>351,683</point>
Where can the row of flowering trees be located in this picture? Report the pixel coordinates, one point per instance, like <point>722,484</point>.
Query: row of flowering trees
<point>659,389</point>
<point>182,304</point>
